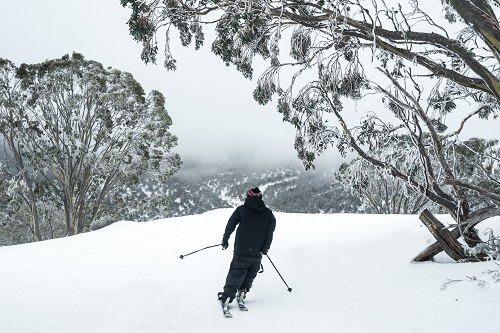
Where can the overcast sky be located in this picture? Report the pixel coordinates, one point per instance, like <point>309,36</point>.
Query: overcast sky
<point>214,114</point>
<point>211,105</point>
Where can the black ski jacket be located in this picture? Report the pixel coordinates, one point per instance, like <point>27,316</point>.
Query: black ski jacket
<point>255,230</point>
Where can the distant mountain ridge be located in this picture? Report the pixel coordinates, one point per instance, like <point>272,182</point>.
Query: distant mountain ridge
<point>198,188</point>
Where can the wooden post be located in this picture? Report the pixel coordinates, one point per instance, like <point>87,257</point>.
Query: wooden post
<point>475,218</point>
<point>434,249</point>
<point>445,238</point>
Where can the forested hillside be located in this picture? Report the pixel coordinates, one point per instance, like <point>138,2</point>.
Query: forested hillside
<point>200,188</point>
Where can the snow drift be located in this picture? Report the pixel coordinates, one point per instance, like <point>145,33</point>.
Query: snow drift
<point>349,273</point>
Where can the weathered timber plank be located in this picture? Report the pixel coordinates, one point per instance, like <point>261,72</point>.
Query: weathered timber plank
<point>446,239</point>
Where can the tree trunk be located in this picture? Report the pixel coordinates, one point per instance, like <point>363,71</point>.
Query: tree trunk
<point>37,235</point>
<point>35,218</point>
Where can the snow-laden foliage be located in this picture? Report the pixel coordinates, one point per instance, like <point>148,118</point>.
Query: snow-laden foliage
<point>419,70</point>
<point>474,159</point>
<point>78,140</point>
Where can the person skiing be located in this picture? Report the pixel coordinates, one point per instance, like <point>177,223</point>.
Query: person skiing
<point>256,224</point>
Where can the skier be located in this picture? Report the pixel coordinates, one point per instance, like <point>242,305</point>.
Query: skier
<point>256,224</point>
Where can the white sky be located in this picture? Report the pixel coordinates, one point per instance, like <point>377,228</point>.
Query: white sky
<point>214,114</point>
<point>211,105</point>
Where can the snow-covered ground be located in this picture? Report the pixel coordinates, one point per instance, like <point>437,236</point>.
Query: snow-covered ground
<point>349,273</point>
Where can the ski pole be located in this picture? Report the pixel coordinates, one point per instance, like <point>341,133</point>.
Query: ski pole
<point>289,289</point>
<point>185,255</point>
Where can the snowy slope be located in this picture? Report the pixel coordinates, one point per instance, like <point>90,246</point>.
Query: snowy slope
<point>349,273</point>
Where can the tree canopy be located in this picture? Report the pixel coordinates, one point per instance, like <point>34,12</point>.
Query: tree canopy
<point>79,141</point>
<point>424,71</point>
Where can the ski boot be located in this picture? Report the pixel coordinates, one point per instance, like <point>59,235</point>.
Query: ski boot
<point>240,298</point>
<point>224,302</point>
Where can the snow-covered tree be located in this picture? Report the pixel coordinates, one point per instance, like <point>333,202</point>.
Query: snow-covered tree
<point>379,191</point>
<point>416,69</point>
<point>79,140</point>
<point>474,159</point>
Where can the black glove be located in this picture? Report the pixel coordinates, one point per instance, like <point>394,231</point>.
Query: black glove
<point>225,244</point>
<point>264,251</point>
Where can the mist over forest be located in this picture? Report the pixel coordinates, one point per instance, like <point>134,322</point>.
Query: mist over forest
<point>200,187</point>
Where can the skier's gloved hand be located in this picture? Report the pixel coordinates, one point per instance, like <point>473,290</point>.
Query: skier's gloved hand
<point>264,252</point>
<point>225,244</point>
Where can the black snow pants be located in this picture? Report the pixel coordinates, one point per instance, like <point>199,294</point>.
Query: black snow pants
<point>242,272</point>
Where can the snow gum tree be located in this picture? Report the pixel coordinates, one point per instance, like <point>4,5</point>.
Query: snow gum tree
<point>79,139</point>
<point>423,70</point>
<point>377,188</point>
<point>475,159</point>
